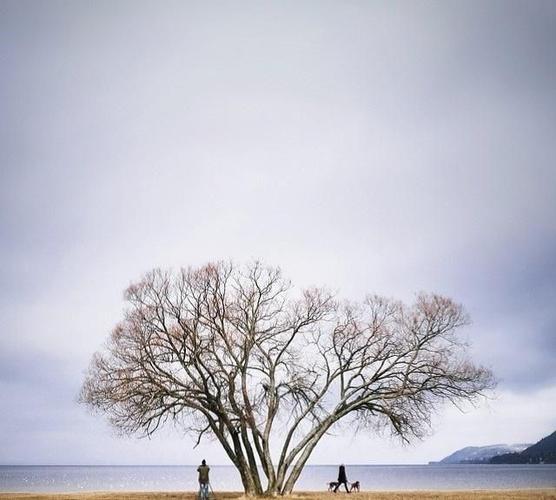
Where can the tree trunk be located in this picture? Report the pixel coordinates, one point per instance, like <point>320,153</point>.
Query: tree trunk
<point>272,488</point>
<point>251,483</point>
<point>298,467</point>
<point>253,470</point>
<point>249,486</point>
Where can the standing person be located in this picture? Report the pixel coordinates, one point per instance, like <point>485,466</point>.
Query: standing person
<point>203,471</point>
<point>342,478</point>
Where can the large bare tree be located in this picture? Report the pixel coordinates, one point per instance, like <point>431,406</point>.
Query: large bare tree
<point>235,353</point>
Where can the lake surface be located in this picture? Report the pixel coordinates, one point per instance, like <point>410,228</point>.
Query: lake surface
<point>315,477</point>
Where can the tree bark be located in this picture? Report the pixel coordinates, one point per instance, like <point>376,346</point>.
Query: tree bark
<point>302,460</point>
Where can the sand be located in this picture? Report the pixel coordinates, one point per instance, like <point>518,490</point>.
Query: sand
<point>535,494</point>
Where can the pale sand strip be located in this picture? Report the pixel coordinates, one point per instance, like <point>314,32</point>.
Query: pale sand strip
<point>536,494</point>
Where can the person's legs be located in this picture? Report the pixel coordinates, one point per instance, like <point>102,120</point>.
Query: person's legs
<point>346,486</point>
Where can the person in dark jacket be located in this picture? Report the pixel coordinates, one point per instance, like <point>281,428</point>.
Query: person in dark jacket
<point>203,471</point>
<point>342,479</point>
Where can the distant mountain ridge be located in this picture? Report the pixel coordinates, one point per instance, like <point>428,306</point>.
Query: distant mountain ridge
<point>482,454</point>
<point>542,452</point>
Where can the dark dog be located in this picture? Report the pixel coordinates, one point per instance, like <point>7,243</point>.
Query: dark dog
<point>355,486</point>
<point>332,485</point>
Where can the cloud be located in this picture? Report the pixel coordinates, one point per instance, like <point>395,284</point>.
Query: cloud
<point>371,148</point>
<point>510,298</point>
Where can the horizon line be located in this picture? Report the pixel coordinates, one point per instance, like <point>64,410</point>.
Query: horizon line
<point>193,465</point>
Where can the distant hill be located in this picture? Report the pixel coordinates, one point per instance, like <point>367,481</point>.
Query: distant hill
<point>542,452</point>
<point>481,454</point>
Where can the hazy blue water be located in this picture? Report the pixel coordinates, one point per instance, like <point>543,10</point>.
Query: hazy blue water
<point>183,478</point>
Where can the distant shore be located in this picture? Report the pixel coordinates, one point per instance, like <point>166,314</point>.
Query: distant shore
<point>521,494</point>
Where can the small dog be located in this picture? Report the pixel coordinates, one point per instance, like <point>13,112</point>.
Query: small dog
<point>355,486</point>
<point>332,485</point>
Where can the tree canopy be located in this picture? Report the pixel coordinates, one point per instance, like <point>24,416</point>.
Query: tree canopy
<point>236,352</point>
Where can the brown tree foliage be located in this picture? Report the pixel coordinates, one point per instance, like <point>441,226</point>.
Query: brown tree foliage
<point>235,353</point>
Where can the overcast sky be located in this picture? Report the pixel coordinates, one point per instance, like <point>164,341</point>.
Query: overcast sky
<point>387,147</point>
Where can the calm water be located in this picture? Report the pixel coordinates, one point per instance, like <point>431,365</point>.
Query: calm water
<point>372,477</point>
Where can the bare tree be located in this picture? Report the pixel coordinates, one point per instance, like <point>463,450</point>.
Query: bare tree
<point>234,353</point>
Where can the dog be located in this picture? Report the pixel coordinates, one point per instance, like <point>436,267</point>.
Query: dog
<point>355,486</point>
<point>332,485</point>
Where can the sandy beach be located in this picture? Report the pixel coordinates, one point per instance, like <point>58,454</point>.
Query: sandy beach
<point>545,493</point>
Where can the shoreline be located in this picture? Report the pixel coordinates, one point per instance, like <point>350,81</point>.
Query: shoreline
<point>497,494</point>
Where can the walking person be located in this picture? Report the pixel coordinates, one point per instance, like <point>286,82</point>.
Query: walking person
<point>203,471</point>
<point>342,479</point>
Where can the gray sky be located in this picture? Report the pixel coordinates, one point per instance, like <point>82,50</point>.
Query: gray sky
<point>386,147</point>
